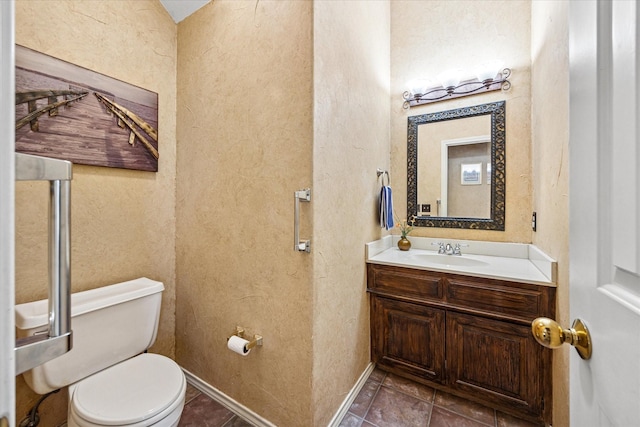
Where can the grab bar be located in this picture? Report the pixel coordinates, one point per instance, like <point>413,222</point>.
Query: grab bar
<point>300,245</point>
<point>38,349</point>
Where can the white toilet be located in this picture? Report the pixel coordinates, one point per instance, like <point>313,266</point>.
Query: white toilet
<point>110,382</point>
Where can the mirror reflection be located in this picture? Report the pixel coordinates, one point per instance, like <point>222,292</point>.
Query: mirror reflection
<point>455,168</point>
<point>455,183</point>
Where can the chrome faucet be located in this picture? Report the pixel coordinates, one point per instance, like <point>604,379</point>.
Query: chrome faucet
<point>456,250</point>
<point>448,249</point>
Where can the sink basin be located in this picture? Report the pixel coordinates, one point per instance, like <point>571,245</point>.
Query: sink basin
<point>450,260</point>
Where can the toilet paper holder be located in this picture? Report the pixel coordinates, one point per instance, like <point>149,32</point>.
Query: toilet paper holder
<point>240,332</point>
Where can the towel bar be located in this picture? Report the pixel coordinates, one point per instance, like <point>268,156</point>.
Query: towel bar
<point>36,350</point>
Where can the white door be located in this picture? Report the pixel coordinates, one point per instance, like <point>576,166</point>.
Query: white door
<point>605,210</point>
<point>7,184</point>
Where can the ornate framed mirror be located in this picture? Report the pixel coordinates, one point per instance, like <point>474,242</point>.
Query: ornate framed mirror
<point>456,168</point>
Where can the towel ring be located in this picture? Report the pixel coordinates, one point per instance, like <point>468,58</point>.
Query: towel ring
<point>383,173</point>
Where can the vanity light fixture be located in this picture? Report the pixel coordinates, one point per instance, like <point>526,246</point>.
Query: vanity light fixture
<point>490,76</point>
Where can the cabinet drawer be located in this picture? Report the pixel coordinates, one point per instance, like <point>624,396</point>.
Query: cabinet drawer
<point>509,299</point>
<point>403,282</point>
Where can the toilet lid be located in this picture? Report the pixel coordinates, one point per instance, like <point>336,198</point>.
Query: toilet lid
<point>129,392</point>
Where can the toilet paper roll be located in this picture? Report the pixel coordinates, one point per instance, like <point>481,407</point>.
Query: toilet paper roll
<point>238,345</point>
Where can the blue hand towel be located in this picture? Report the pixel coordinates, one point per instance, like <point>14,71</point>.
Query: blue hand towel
<point>386,208</point>
<point>382,207</point>
<point>389,203</point>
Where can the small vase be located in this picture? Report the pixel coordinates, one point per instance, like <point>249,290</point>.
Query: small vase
<point>404,244</point>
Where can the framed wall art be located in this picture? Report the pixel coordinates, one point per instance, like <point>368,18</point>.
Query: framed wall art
<point>72,113</point>
<point>471,173</point>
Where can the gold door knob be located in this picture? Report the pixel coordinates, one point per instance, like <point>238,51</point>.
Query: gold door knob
<point>551,335</point>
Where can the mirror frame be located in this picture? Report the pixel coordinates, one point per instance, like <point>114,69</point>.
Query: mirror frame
<point>497,110</point>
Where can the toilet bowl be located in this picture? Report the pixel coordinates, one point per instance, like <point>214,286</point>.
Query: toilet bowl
<point>147,390</point>
<point>111,381</point>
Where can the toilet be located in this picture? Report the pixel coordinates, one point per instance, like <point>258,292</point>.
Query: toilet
<point>112,380</point>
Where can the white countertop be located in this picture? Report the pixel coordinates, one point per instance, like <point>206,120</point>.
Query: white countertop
<point>518,262</point>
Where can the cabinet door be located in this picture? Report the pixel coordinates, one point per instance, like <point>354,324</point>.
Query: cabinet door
<point>408,337</point>
<point>495,359</point>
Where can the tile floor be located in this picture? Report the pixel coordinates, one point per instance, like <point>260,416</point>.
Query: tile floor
<point>202,411</point>
<point>388,400</point>
<point>385,400</point>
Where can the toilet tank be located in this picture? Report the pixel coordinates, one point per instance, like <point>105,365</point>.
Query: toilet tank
<point>110,324</point>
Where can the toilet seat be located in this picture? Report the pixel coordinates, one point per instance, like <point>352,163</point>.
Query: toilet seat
<point>138,392</point>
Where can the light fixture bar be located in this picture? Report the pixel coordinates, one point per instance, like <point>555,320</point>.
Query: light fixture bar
<point>465,88</point>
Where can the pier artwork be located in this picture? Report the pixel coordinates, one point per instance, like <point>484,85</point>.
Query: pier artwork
<point>68,112</point>
<point>31,98</point>
<point>132,121</point>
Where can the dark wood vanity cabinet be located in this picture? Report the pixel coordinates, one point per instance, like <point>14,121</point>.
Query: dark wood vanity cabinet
<point>464,335</point>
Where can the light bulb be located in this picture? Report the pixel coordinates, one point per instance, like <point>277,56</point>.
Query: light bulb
<point>449,78</point>
<point>488,70</point>
<point>418,86</point>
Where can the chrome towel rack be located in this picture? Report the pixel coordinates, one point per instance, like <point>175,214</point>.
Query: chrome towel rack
<point>38,349</point>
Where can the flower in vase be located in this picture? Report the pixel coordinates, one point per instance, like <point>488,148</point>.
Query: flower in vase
<point>405,226</point>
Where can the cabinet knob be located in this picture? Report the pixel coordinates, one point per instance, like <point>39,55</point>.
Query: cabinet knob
<point>550,334</point>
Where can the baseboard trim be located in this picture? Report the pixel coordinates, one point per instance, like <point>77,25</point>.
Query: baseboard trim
<point>242,411</point>
<point>351,396</point>
<point>256,420</point>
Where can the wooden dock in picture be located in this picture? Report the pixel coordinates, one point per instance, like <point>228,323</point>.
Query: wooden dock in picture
<point>137,126</point>
<point>31,99</point>
<point>56,117</point>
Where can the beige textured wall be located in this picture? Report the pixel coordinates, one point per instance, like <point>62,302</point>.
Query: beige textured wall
<point>238,165</point>
<point>351,140</point>
<point>550,136</point>
<point>123,223</point>
<point>245,144</point>
<point>428,37</point>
